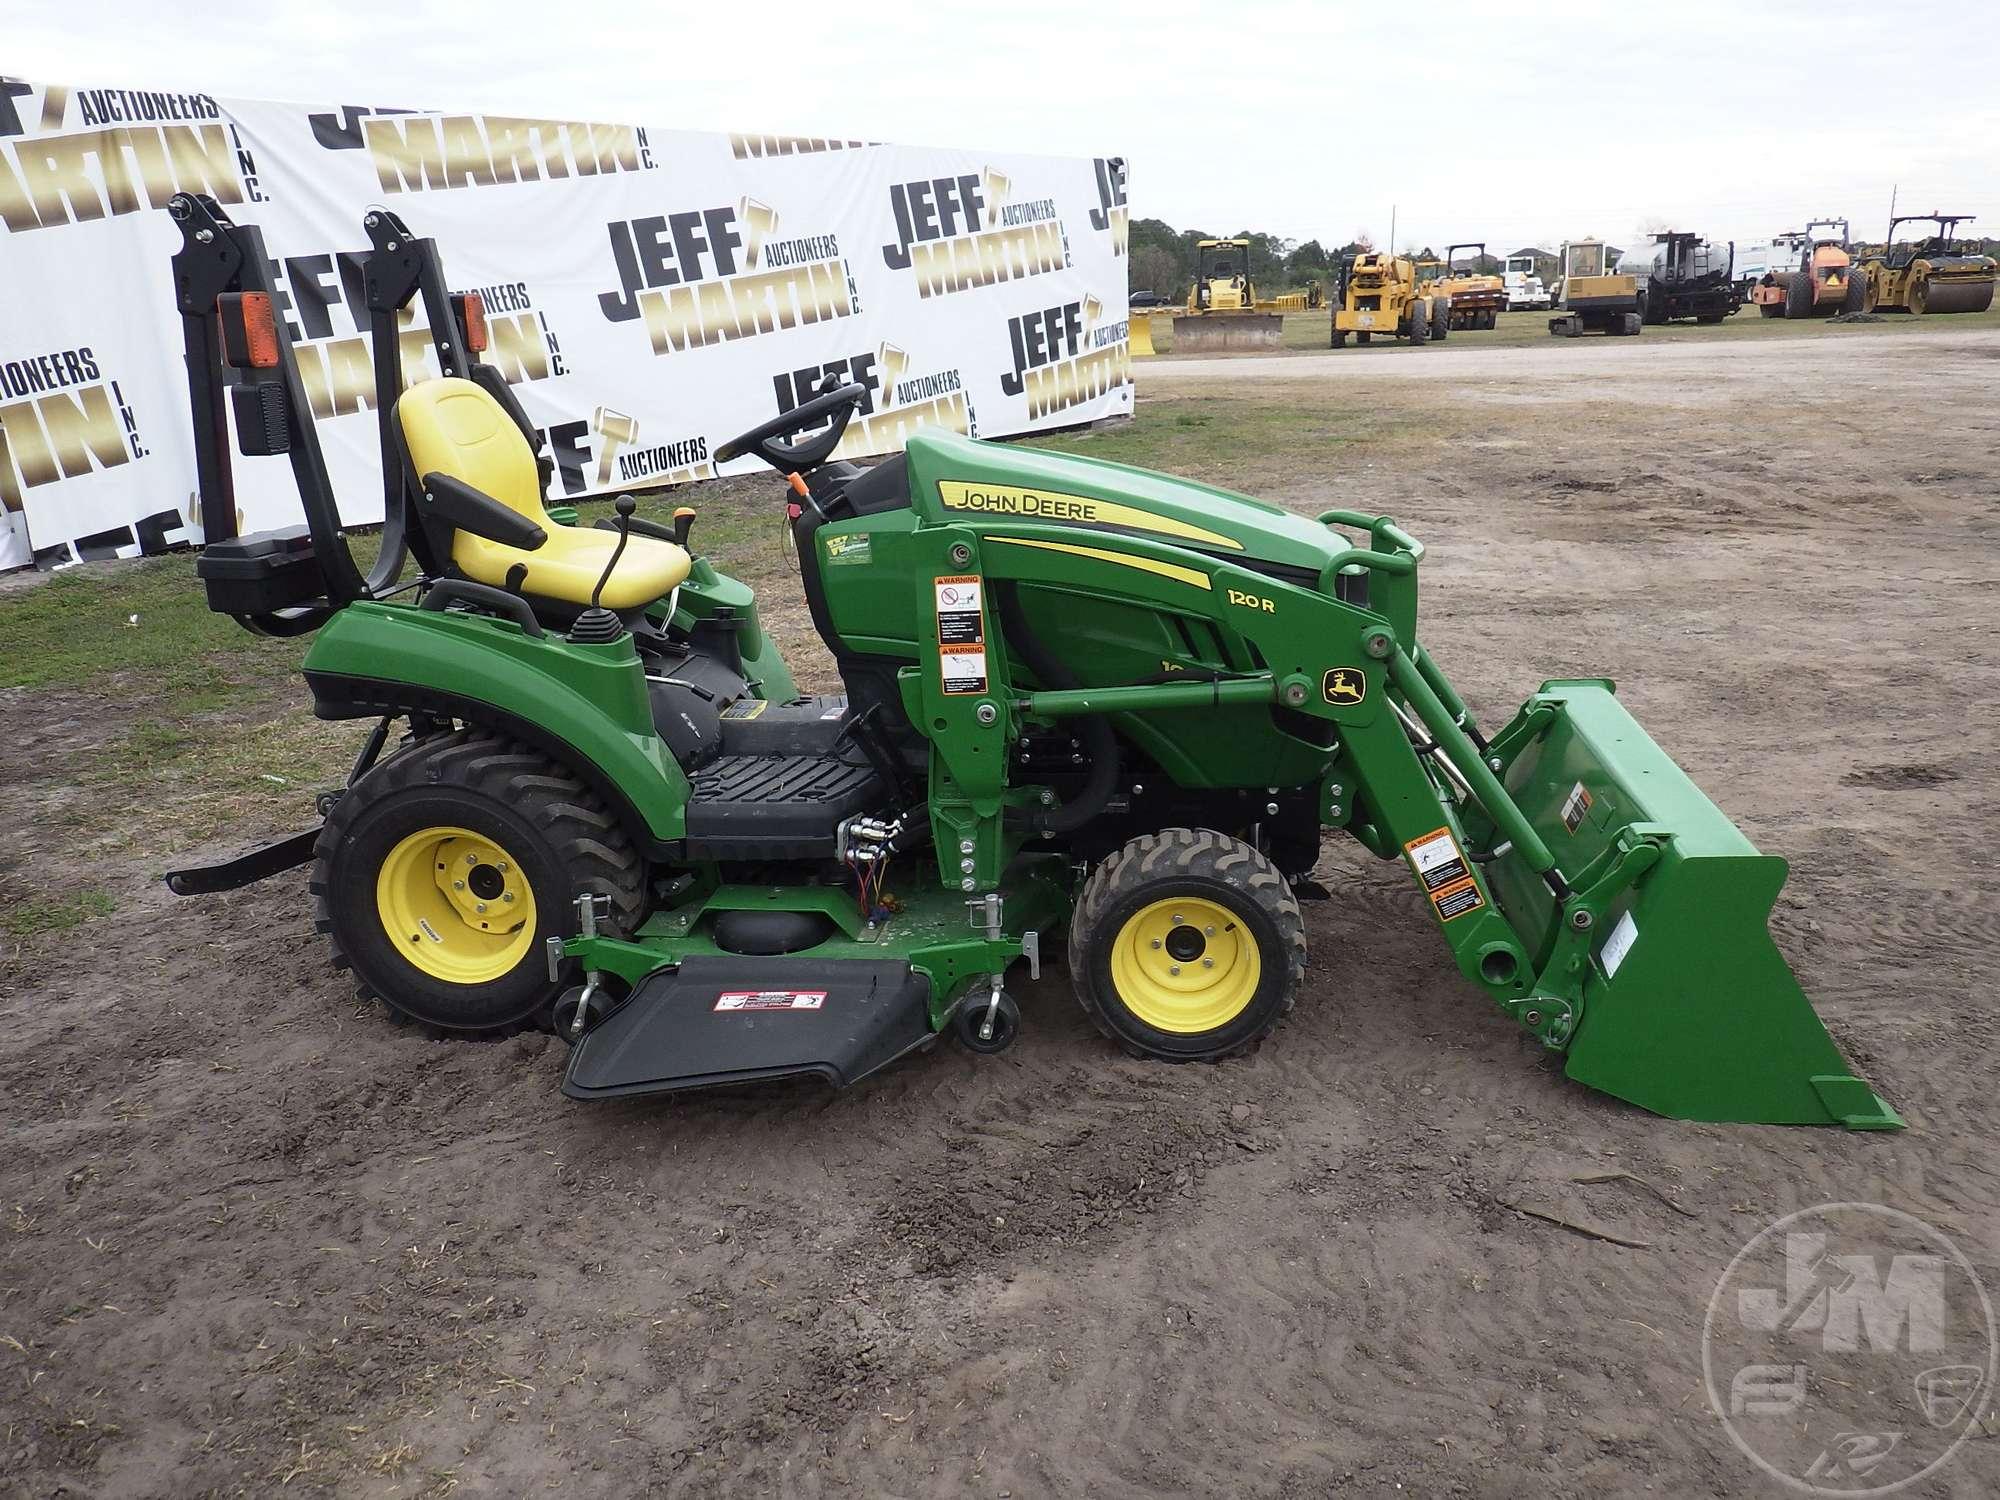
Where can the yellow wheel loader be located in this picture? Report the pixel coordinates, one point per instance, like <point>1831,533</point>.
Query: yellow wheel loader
<point>1386,295</point>
<point>1222,315</point>
<point>1931,275</point>
<point>1596,298</point>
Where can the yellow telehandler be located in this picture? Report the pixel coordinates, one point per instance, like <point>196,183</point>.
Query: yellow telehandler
<point>1386,294</point>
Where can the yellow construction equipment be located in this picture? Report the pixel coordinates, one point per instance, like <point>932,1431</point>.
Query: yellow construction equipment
<point>1474,297</point>
<point>1309,300</point>
<point>1386,294</point>
<point>1222,312</point>
<point>1931,275</point>
<point>1139,332</point>
<point>1594,295</point>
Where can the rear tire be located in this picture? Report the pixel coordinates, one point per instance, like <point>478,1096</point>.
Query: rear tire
<point>1186,945</point>
<point>1440,318</point>
<point>467,955</point>
<point>1420,324</point>
<point>1339,340</point>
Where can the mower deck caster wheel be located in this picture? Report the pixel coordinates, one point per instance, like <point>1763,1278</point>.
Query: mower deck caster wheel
<point>971,1022</point>
<point>576,1010</point>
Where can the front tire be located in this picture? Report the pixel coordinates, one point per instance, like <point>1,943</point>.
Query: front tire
<point>443,872</point>
<point>1186,945</point>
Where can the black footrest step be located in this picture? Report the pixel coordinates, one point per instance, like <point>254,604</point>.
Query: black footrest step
<point>720,1019</point>
<point>777,806</point>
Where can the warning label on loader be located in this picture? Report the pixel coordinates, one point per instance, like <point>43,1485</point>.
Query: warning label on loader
<point>770,1000</point>
<point>1575,805</point>
<point>1441,866</point>
<point>961,634</point>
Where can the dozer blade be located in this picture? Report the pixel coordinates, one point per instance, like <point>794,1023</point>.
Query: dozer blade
<point>1688,1008</point>
<point>1228,333</point>
<point>1139,333</point>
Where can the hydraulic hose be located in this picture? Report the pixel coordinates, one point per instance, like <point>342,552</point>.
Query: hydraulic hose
<point>1098,740</point>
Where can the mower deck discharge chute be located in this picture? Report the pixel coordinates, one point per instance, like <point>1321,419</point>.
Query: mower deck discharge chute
<point>1081,702</point>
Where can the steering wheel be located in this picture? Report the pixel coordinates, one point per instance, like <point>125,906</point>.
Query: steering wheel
<point>838,403</point>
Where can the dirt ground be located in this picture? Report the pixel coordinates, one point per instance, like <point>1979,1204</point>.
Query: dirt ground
<point>255,1239</point>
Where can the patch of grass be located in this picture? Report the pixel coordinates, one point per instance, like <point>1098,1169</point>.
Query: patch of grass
<point>54,913</point>
<point>1280,429</point>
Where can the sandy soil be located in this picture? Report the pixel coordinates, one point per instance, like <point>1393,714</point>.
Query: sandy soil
<point>254,1239</point>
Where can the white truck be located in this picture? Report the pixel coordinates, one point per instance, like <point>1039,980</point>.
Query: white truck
<point>1524,286</point>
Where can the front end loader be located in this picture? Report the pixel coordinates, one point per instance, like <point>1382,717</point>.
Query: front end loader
<point>1082,704</point>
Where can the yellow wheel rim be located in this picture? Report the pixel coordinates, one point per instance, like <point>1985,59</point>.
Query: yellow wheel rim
<point>456,905</point>
<point>1185,965</point>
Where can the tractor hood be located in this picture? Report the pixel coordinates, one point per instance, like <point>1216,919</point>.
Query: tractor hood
<point>954,478</point>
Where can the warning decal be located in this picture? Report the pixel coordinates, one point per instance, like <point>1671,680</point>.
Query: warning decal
<point>770,1000</point>
<point>1447,879</point>
<point>961,634</point>
<point>1575,805</point>
<point>746,708</point>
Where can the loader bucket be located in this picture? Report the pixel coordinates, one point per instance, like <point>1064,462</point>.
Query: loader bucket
<point>1139,332</point>
<point>1228,333</point>
<point>1688,1010</point>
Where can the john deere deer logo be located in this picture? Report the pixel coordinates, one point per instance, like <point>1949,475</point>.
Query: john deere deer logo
<point>1343,685</point>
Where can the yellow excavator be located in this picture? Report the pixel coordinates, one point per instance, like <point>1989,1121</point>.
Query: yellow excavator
<point>1222,314</point>
<point>1931,275</point>
<point>1595,296</point>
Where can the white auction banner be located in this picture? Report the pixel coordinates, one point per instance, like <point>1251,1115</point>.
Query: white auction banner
<point>649,293</point>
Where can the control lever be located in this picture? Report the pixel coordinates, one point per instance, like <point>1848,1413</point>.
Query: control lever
<point>598,626</point>
<point>624,505</point>
<point>683,525</point>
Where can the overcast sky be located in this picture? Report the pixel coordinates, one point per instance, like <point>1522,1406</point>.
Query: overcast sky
<point>1496,122</point>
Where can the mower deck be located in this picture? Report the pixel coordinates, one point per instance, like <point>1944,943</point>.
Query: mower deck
<point>723,1019</point>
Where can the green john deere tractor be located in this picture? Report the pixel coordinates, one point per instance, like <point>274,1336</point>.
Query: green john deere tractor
<point>1082,702</point>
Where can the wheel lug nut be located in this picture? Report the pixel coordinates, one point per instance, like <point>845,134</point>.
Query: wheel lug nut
<point>1210,929</point>
<point>472,859</point>
<point>481,906</point>
<point>1208,963</point>
<point>1173,968</point>
<point>506,895</point>
<point>458,885</point>
<point>1177,919</point>
<point>501,867</point>
<point>1156,942</point>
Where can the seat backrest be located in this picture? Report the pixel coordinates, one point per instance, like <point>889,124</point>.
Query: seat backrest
<point>451,426</point>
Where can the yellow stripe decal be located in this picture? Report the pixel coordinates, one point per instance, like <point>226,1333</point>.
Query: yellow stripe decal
<point>1174,571</point>
<point>1047,505</point>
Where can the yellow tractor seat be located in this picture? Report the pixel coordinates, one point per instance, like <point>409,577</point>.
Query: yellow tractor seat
<point>453,427</point>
